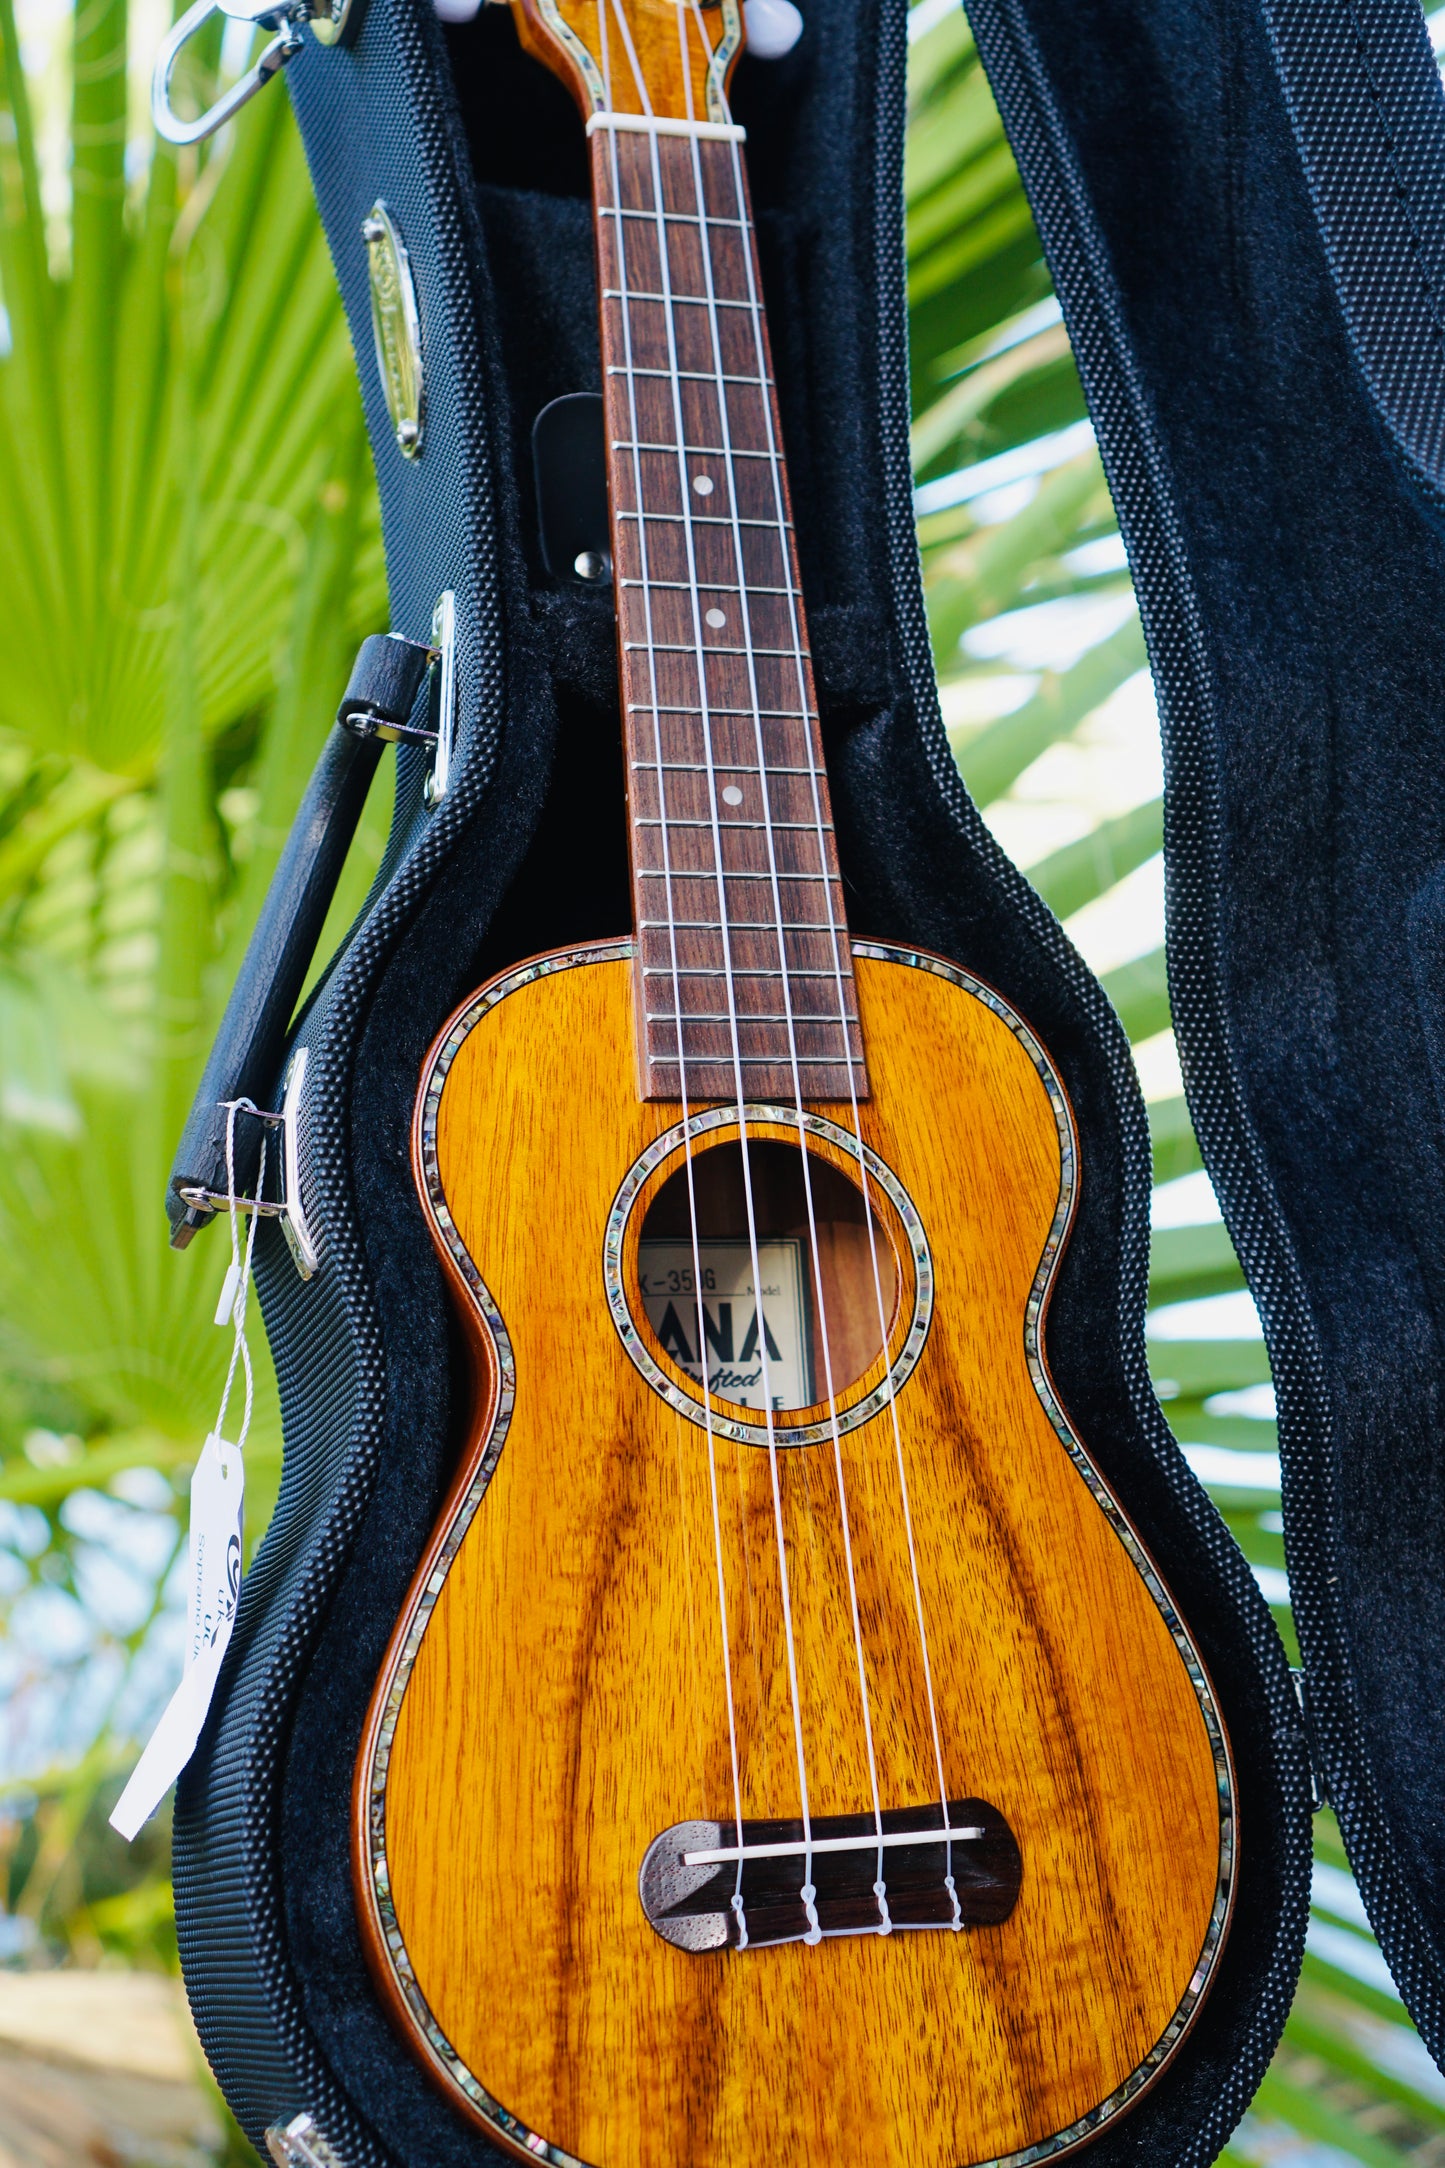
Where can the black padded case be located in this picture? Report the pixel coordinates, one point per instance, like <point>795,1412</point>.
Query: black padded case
<point>1243,208</point>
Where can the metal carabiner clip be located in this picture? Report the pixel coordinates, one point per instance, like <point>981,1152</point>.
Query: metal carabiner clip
<point>288,18</point>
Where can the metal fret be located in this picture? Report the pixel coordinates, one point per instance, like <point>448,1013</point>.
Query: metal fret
<point>696,451</point>
<point>703,519</point>
<point>749,715</point>
<point>677,820</point>
<point>805,1061</point>
<point>722,971</point>
<point>694,376</point>
<point>713,587</point>
<point>745,1016</point>
<point>700,519</point>
<point>698,220</point>
<point>686,301</point>
<point>732,873</point>
<point>740,925</point>
<point>709,647</point>
<point>715,767</point>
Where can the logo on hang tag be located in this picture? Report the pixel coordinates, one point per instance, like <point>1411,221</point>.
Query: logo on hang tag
<point>217,1500</point>
<point>217,1503</point>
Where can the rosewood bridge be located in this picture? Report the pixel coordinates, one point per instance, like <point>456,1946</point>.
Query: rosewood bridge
<point>907,1869</point>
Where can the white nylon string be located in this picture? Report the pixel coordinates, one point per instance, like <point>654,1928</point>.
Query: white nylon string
<point>240,1273</point>
<point>682,28</point>
<point>785,981</point>
<point>836,934</point>
<point>620,230</point>
<point>625,32</point>
<point>808,1892</point>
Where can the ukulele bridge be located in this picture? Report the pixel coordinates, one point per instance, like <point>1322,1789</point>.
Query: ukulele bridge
<point>704,1889</point>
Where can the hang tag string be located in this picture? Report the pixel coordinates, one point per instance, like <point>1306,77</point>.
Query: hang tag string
<point>218,1491</point>
<point>239,1275</point>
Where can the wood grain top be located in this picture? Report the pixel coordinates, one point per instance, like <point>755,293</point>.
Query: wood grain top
<point>668,58</point>
<point>555,1697</point>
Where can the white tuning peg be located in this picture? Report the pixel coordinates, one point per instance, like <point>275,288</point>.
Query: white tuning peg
<point>774,27</point>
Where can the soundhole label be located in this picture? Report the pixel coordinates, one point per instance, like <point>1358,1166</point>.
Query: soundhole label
<point>769,1286</point>
<point>740,1340</point>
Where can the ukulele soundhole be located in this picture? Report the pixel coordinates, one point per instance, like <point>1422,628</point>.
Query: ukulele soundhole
<point>913,1872</point>
<point>823,1316</point>
<point>826,1232</point>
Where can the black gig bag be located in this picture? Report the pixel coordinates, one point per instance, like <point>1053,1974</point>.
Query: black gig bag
<point>1243,206</point>
<point>1253,292</point>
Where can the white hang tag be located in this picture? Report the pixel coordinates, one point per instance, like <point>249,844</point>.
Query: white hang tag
<point>217,1497</point>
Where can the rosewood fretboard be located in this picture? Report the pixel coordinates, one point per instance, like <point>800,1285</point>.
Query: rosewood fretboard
<point>744,967</point>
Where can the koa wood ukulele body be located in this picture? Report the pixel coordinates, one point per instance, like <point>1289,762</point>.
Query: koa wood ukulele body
<point>787,1750</point>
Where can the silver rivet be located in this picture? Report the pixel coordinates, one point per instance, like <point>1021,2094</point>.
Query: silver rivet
<point>590,565</point>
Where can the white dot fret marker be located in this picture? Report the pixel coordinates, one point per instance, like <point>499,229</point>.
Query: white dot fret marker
<point>732,795</point>
<point>702,483</point>
<point>717,619</point>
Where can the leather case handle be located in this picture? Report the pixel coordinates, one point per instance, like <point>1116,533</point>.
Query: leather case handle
<point>250,1046</point>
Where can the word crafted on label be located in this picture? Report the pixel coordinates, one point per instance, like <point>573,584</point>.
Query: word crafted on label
<point>735,1332</point>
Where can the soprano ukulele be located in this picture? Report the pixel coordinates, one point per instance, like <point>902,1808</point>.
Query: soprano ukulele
<point>787,1750</point>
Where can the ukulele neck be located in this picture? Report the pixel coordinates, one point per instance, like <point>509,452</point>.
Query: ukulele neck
<point>744,972</point>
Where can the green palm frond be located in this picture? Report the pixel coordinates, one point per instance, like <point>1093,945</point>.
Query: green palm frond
<point>189,549</point>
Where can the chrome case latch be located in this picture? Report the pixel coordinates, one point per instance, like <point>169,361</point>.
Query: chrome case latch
<point>301,2144</point>
<point>288,1207</point>
<point>289,19</point>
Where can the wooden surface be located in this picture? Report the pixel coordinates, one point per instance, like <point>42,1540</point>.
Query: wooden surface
<point>567,1703</point>
<point>743,959</point>
<point>673,61</point>
<point>736,893</point>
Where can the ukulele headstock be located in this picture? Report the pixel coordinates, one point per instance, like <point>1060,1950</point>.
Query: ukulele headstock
<point>669,58</point>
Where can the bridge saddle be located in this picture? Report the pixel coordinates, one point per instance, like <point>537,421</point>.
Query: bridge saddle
<point>908,1869</point>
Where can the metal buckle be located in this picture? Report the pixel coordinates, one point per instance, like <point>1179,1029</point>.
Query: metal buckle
<point>288,18</point>
<point>443,696</point>
<point>288,1207</point>
<point>441,691</point>
<point>362,723</point>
